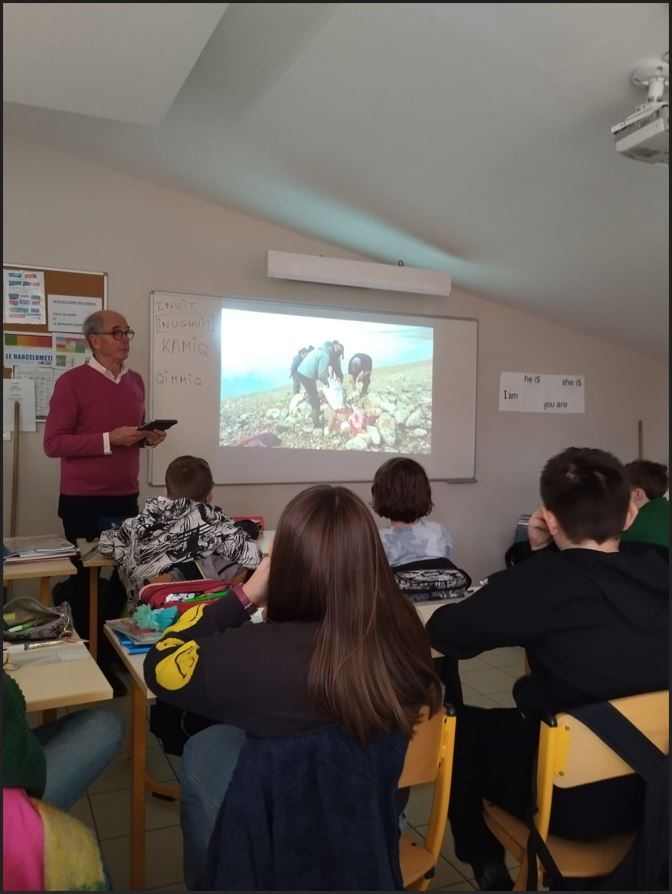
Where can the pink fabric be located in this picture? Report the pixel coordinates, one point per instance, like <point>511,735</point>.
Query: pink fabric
<point>83,406</point>
<point>22,843</point>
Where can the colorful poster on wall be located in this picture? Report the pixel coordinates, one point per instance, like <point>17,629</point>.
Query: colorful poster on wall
<point>26,349</point>
<point>68,312</point>
<point>24,301</point>
<point>70,350</point>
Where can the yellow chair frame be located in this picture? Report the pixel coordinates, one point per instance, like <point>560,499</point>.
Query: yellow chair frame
<point>570,755</point>
<point>429,759</point>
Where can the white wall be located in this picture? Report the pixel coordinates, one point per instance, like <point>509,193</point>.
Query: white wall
<point>61,212</point>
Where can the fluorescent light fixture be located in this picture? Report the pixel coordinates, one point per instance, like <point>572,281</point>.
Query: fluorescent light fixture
<point>361,274</point>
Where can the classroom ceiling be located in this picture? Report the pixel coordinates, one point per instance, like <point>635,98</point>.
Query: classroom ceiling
<point>467,137</point>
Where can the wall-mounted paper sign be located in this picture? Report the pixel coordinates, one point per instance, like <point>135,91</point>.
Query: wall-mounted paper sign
<point>23,391</point>
<point>68,312</point>
<point>541,393</point>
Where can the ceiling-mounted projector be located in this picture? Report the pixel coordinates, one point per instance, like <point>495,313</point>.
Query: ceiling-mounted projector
<point>645,135</point>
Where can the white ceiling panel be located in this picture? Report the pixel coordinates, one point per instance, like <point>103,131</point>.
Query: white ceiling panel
<point>125,61</point>
<point>471,138</point>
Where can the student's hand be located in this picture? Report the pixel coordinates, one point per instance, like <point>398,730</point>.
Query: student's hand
<point>256,587</point>
<point>154,436</point>
<point>537,531</point>
<point>126,436</point>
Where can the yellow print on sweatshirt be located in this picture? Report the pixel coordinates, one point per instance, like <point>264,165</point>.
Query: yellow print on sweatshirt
<point>192,616</point>
<point>176,670</point>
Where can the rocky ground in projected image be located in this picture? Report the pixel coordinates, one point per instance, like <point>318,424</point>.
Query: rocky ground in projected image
<point>395,416</point>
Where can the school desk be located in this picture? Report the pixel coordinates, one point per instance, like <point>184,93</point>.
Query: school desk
<point>94,561</point>
<point>42,571</point>
<point>141,696</point>
<point>57,684</point>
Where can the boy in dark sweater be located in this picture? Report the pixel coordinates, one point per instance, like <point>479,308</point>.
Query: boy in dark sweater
<point>594,623</point>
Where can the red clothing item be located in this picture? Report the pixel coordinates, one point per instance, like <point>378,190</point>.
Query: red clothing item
<point>22,843</point>
<point>84,405</point>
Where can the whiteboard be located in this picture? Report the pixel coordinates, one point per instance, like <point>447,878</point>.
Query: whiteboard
<point>186,345</point>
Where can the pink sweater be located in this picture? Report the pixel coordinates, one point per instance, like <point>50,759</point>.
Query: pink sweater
<point>83,406</point>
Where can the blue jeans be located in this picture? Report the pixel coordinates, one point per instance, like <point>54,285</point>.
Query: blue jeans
<point>208,761</point>
<point>77,749</point>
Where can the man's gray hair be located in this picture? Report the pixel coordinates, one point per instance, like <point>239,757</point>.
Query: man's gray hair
<point>92,324</point>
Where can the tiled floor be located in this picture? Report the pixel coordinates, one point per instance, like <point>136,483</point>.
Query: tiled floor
<point>486,681</point>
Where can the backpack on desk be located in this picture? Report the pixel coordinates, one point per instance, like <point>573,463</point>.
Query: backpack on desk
<point>431,579</point>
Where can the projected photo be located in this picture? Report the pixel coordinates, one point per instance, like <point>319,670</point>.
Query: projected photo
<point>299,382</point>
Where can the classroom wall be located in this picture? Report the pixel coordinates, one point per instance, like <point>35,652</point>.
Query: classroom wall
<point>62,212</point>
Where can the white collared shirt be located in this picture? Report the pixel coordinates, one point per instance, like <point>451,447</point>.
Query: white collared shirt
<point>93,363</point>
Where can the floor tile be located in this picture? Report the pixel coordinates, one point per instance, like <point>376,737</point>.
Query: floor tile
<point>117,775</point>
<point>163,860</point>
<point>175,762</point>
<point>480,701</point>
<point>81,810</point>
<point>419,804</point>
<point>486,681</point>
<point>469,664</point>
<point>112,811</point>
<point>505,656</point>
<point>445,874</point>
<point>503,699</point>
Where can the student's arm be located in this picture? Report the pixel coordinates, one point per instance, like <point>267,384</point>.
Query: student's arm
<point>205,663</point>
<point>237,546</point>
<point>505,612</point>
<point>115,542</point>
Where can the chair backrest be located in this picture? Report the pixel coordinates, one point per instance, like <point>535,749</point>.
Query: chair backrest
<point>429,759</point>
<point>570,754</point>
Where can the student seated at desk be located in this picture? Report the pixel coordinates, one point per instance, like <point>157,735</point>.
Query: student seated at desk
<point>593,620</point>
<point>649,482</point>
<point>401,492</point>
<point>318,702</point>
<point>178,530</point>
<point>45,771</point>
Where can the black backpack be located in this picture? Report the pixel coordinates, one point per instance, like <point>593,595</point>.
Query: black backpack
<point>430,579</point>
<point>645,867</point>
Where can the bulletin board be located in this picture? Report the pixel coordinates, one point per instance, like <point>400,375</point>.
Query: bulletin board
<point>45,307</point>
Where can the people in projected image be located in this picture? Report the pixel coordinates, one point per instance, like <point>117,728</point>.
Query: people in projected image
<point>359,368</point>
<point>337,354</point>
<point>293,369</point>
<point>315,367</point>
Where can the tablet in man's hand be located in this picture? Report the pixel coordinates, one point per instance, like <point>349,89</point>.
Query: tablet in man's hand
<point>157,424</point>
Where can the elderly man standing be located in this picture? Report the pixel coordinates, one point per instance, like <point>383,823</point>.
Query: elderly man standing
<point>92,427</point>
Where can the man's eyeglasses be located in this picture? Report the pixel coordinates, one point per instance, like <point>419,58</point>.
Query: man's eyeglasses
<point>118,334</point>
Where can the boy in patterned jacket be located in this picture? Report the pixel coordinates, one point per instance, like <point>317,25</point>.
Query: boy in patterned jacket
<point>174,532</point>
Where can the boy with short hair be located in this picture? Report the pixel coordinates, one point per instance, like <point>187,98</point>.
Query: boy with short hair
<point>594,622</point>
<point>649,482</point>
<point>174,531</point>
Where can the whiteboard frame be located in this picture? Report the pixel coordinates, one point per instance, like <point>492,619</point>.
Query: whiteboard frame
<point>301,305</point>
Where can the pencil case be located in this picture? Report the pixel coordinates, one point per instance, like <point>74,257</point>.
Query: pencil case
<point>48,622</point>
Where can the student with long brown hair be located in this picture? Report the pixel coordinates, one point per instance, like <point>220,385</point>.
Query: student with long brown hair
<point>341,649</point>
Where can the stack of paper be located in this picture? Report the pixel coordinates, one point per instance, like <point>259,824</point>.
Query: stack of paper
<point>36,549</point>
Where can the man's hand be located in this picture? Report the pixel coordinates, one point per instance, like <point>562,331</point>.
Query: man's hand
<point>256,587</point>
<point>154,436</point>
<point>126,436</point>
<point>537,530</point>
